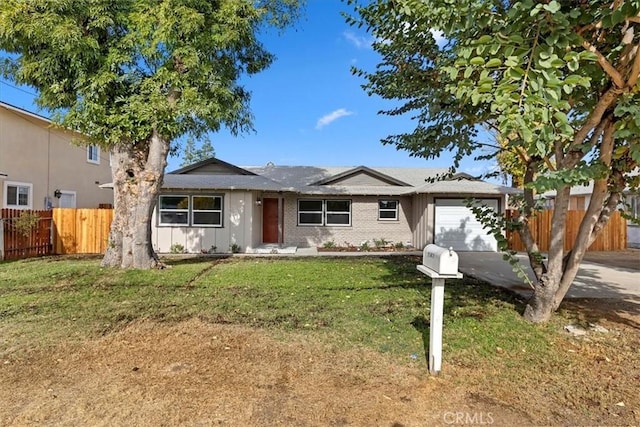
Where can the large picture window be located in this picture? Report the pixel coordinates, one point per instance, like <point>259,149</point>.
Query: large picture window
<point>17,195</point>
<point>388,210</point>
<point>184,211</point>
<point>324,212</point>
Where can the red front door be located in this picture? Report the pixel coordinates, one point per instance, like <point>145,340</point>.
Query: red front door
<point>270,220</point>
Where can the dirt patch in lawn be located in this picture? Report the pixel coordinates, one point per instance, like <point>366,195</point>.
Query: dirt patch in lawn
<point>197,373</point>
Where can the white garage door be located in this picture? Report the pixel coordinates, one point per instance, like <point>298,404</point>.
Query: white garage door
<point>456,226</point>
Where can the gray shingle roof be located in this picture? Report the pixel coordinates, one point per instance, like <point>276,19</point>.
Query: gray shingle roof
<point>221,182</point>
<point>303,179</point>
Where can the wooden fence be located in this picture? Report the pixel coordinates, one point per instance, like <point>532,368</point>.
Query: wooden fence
<point>28,240</point>
<point>81,231</point>
<point>612,238</point>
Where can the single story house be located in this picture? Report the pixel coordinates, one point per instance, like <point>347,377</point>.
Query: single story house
<point>216,206</point>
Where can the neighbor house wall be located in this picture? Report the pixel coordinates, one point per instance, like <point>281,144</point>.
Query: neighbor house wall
<point>365,225</point>
<point>238,226</point>
<point>33,152</point>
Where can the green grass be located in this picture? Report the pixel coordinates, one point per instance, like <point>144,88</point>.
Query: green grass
<point>377,303</point>
<point>382,303</point>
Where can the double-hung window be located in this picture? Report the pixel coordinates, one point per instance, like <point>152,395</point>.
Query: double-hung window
<point>18,195</point>
<point>185,211</point>
<point>324,212</point>
<point>338,212</point>
<point>388,210</point>
<point>93,154</point>
<point>174,210</point>
<point>310,212</point>
<point>206,211</point>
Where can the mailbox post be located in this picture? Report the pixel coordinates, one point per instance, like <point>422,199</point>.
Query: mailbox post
<point>439,264</point>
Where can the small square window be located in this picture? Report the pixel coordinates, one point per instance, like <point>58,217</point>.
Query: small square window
<point>388,210</point>
<point>18,195</point>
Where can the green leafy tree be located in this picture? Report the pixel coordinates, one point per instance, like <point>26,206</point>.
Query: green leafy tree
<point>556,80</point>
<point>191,154</point>
<point>134,75</point>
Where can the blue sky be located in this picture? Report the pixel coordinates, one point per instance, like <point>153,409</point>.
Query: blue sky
<point>308,108</point>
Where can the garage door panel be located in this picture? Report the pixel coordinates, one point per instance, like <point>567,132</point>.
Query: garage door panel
<point>456,226</point>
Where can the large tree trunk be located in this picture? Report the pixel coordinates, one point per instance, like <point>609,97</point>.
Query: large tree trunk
<point>138,171</point>
<point>541,305</point>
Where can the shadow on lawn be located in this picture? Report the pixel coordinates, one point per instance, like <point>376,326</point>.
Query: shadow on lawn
<point>468,296</point>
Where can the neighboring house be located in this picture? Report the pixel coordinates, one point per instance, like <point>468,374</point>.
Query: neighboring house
<point>40,167</point>
<point>579,199</point>
<point>213,204</point>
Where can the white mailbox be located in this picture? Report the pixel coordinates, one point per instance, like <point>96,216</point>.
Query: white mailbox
<point>439,264</point>
<point>441,260</point>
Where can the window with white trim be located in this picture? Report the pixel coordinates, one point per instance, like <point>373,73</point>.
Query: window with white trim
<point>184,211</point>
<point>310,212</point>
<point>324,212</point>
<point>206,211</point>
<point>173,210</point>
<point>93,154</point>
<point>388,210</point>
<point>18,195</point>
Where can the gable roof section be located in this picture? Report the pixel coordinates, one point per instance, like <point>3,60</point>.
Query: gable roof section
<point>211,166</point>
<point>373,175</point>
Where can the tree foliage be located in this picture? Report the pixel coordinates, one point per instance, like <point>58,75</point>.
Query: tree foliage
<point>134,75</point>
<point>192,154</point>
<point>557,81</point>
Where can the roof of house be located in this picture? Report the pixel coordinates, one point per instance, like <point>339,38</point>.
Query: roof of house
<point>214,174</point>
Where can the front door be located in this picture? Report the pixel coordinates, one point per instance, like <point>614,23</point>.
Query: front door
<point>270,220</point>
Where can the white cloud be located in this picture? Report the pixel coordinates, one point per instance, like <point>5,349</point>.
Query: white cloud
<point>358,41</point>
<point>331,117</point>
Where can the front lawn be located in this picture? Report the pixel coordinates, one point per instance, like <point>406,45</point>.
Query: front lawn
<point>377,304</point>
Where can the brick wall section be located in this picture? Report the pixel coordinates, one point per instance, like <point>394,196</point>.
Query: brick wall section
<point>364,223</point>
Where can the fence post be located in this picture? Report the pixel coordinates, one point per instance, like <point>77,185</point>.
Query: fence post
<point>1,238</point>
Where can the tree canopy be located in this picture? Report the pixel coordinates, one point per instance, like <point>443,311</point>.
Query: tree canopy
<point>133,76</point>
<point>556,81</point>
<point>191,154</point>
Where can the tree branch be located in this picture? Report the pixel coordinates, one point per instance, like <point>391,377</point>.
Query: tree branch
<point>605,64</point>
<point>635,69</point>
<point>595,117</point>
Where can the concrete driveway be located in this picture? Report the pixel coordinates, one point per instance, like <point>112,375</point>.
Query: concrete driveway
<point>612,275</point>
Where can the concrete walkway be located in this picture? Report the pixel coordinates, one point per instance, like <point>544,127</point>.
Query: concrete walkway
<point>594,280</point>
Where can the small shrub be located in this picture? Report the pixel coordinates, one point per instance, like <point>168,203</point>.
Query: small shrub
<point>176,248</point>
<point>380,243</point>
<point>235,248</point>
<point>364,246</point>
<point>25,223</point>
<point>329,245</point>
<point>399,245</point>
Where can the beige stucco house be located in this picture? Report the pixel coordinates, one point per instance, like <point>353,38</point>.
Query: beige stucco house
<point>213,204</point>
<point>40,167</point>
